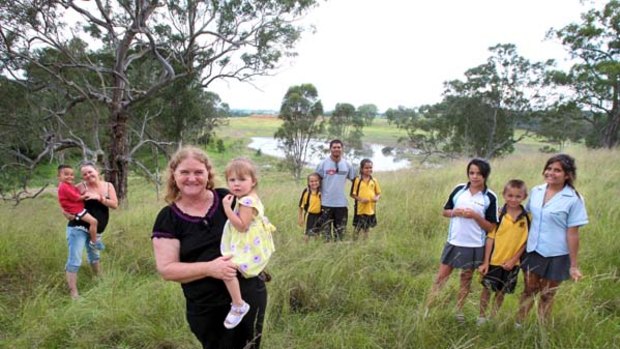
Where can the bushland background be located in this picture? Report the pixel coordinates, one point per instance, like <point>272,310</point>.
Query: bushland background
<point>353,294</point>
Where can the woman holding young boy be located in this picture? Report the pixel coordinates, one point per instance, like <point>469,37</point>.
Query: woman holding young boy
<point>100,196</point>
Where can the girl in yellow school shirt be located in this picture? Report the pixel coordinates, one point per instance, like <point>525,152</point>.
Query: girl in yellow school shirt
<point>310,206</point>
<point>366,192</point>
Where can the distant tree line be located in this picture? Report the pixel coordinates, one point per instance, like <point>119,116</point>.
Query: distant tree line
<point>480,115</point>
<point>499,102</point>
<point>127,81</point>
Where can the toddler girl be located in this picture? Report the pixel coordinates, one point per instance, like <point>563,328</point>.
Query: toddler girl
<point>247,233</point>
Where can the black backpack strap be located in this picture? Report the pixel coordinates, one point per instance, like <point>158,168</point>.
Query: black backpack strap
<point>352,191</point>
<point>527,219</point>
<point>502,213</point>
<point>359,183</point>
<point>525,213</point>
<point>301,199</point>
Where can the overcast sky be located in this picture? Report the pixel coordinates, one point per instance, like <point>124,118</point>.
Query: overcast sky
<point>399,52</point>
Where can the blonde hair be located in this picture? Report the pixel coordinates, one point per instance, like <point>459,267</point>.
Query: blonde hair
<point>242,167</point>
<point>516,184</point>
<point>172,191</point>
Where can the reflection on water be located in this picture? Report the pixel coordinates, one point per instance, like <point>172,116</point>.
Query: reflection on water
<point>382,157</point>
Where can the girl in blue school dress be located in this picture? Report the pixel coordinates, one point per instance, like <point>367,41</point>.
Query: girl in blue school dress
<point>558,211</point>
<point>472,210</point>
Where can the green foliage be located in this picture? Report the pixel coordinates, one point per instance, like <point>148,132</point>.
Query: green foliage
<point>368,112</point>
<point>424,129</point>
<point>486,108</point>
<point>594,80</point>
<point>31,138</point>
<point>18,121</point>
<point>143,51</point>
<point>186,113</point>
<point>300,112</point>
<point>561,124</point>
<point>347,125</point>
<point>219,145</point>
<point>479,115</point>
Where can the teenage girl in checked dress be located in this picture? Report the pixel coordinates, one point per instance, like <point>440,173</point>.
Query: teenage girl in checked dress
<point>247,234</point>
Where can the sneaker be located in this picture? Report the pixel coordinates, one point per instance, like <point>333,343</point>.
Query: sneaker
<point>481,320</point>
<point>460,317</point>
<point>97,245</point>
<point>235,315</point>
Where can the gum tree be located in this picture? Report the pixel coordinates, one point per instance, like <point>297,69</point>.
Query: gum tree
<point>478,115</point>
<point>347,125</point>
<point>101,44</point>
<point>495,97</point>
<point>594,80</point>
<point>300,112</point>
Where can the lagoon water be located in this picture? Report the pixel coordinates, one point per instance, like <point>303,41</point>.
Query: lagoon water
<point>317,152</point>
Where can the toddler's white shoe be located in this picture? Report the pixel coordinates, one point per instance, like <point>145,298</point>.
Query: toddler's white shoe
<point>235,315</point>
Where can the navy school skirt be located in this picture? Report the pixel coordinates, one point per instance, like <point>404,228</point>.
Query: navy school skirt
<point>462,257</point>
<point>551,268</point>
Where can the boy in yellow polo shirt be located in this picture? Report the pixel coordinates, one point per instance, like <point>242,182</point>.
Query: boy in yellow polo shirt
<point>366,192</point>
<point>504,247</point>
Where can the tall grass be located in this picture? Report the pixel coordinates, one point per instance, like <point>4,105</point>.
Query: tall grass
<point>354,294</point>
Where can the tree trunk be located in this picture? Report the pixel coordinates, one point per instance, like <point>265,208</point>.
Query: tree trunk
<point>117,166</point>
<point>610,133</point>
<point>490,150</point>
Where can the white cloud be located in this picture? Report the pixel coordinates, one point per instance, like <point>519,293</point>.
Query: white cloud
<point>399,52</point>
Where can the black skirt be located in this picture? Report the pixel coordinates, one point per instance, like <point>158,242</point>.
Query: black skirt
<point>499,279</point>
<point>364,221</point>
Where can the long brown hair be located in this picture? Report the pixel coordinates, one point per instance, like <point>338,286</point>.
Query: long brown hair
<point>483,166</point>
<point>567,163</point>
<point>363,163</point>
<point>172,191</point>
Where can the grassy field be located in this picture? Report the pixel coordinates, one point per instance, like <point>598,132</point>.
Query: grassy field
<point>365,294</point>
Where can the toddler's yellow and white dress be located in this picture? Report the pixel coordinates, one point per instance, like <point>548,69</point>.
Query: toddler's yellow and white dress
<point>250,250</point>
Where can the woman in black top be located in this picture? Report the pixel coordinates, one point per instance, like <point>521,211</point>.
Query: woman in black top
<point>186,241</point>
<point>100,196</point>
